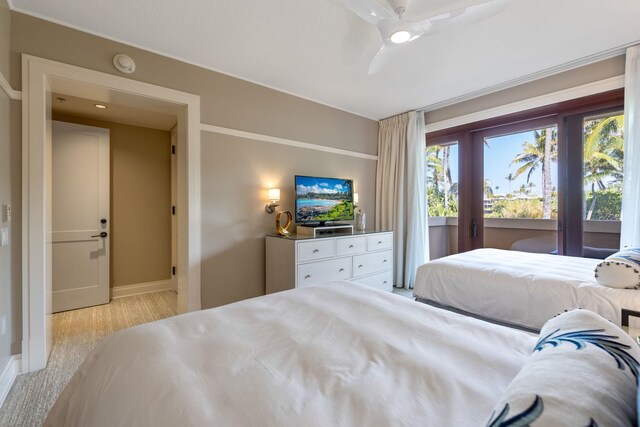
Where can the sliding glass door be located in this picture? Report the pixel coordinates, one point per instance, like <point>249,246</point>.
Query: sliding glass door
<point>547,180</point>
<point>520,205</point>
<point>603,153</point>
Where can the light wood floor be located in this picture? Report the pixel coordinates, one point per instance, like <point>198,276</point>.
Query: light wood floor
<point>75,333</point>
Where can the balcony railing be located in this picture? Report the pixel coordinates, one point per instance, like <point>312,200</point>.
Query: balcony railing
<point>502,233</point>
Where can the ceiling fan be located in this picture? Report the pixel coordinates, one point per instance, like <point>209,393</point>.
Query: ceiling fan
<point>396,31</point>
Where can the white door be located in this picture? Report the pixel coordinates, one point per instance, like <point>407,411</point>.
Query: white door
<point>80,216</point>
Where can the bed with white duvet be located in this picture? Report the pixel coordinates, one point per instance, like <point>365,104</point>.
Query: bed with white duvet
<point>341,354</point>
<point>519,288</point>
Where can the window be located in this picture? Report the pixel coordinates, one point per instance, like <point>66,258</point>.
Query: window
<point>603,155</point>
<point>551,176</point>
<point>442,180</point>
<point>521,175</point>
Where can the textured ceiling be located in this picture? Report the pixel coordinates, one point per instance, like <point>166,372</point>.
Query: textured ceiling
<point>320,50</point>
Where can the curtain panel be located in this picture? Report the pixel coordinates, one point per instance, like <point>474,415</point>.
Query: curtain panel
<point>401,193</point>
<point>630,229</point>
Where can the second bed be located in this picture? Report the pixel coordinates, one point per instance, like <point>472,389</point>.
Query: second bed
<point>518,288</point>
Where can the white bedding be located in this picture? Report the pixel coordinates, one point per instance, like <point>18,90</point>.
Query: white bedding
<point>520,288</point>
<point>338,354</point>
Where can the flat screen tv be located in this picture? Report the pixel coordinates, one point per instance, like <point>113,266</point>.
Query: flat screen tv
<point>319,200</point>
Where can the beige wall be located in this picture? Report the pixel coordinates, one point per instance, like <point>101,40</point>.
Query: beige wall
<point>233,197</point>
<point>5,190</point>
<point>597,71</point>
<point>235,172</point>
<point>140,186</point>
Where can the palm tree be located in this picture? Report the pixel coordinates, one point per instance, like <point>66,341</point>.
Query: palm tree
<point>603,154</point>
<point>510,177</point>
<point>539,155</point>
<point>530,187</point>
<point>488,191</point>
<point>438,159</point>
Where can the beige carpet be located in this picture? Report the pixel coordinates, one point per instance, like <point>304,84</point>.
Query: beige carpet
<point>75,333</point>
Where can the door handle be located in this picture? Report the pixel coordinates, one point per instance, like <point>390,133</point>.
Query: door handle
<point>103,235</point>
<point>474,229</point>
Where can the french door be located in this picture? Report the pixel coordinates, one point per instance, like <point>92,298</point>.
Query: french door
<point>512,187</point>
<point>547,180</point>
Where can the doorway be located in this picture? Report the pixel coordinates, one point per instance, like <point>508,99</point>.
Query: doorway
<point>40,79</point>
<point>80,233</point>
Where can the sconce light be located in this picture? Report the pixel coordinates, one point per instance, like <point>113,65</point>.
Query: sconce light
<point>274,199</point>
<point>355,200</point>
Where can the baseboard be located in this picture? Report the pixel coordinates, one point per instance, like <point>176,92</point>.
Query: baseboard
<point>140,288</point>
<point>8,376</point>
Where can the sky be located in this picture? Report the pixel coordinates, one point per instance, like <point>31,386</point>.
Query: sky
<point>498,156</point>
<point>306,184</point>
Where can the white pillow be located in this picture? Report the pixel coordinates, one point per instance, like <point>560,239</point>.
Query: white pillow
<point>620,270</point>
<point>582,372</point>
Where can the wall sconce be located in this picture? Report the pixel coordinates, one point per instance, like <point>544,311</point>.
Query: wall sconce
<point>274,199</point>
<point>355,200</point>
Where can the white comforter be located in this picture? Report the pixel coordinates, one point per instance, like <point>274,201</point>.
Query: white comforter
<point>339,354</point>
<point>520,288</point>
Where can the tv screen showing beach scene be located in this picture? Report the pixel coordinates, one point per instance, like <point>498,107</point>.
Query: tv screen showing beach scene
<point>323,199</point>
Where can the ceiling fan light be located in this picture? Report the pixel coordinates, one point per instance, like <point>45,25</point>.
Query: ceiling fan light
<point>399,37</point>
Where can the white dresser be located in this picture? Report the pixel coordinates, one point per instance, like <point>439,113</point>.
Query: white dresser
<point>299,261</point>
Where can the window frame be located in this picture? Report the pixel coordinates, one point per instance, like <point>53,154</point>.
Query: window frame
<point>564,115</point>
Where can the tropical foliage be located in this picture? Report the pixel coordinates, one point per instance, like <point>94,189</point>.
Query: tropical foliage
<point>343,210</point>
<point>603,161</point>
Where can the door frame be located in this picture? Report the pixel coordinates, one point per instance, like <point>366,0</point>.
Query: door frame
<point>39,78</point>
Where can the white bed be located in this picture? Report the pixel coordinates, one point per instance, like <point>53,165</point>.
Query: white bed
<point>338,354</point>
<point>519,288</point>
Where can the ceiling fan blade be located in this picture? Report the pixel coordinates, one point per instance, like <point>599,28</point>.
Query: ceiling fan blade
<point>462,17</point>
<point>381,59</point>
<point>369,10</point>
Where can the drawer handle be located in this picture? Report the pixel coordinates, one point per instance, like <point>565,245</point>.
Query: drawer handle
<point>360,266</point>
<point>384,260</point>
<point>350,246</point>
<point>341,270</point>
<point>307,276</point>
<point>315,251</point>
<point>379,242</point>
<point>384,283</point>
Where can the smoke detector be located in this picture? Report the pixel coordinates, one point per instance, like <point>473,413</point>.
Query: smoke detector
<point>124,63</point>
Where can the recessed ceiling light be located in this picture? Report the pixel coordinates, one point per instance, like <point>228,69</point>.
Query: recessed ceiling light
<point>400,37</point>
<point>101,106</point>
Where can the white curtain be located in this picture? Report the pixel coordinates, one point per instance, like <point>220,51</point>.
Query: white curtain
<point>630,231</point>
<point>400,193</point>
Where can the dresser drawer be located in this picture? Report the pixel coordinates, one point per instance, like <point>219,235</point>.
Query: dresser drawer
<point>382,281</point>
<point>372,263</point>
<point>380,241</point>
<point>324,271</point>
<point>351,245</point>
<point>316,249</point>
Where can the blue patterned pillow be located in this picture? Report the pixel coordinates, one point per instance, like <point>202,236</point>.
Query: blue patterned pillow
<point>620,270</point>
<point>582,372</point>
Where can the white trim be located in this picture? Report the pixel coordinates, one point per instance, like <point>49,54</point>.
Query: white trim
<point>600,86</point>
<point>293,143</point>
<point>8,376</point>
<point>37,76</point>
<point>140,288</point>
<point>568,66</point>
<point>13,94</point>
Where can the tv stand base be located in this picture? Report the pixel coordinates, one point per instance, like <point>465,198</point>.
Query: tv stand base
<point>316,230</point>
